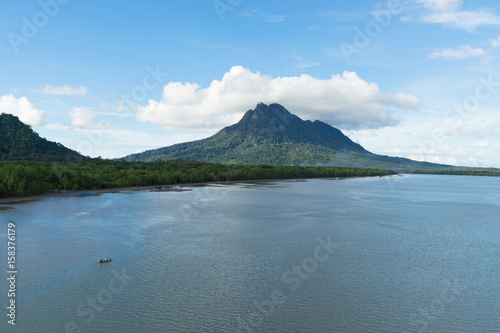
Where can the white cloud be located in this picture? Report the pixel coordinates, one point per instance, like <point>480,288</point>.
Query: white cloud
<point>403,101</point>
<point>82,117</point>
<point>474,133</point>
<point>448,160</point>
<point>22,108</point>
<point>267,17</point>
<point>495,43</point>
<point>460,131</point>
<point>120,106</point>
<point>472,161</point>
<point>62,90</point>
<point>448,13</point>
<point>465,51</point>
<point>430,137</point>
<point>345,101</point>
<point>466,20</point>
<point>484,133</point>
<point>441,5</point>
<point>482,143</point>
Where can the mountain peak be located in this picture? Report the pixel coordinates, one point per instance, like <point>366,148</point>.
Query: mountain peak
<point>274,109</point>
<point>274,123</point>
<point>273,117</point>
<point>270,110</point>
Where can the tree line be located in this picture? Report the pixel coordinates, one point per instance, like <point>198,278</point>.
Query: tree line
<point>29,178</point>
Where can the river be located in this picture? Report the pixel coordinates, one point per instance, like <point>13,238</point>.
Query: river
<point>419,253</point>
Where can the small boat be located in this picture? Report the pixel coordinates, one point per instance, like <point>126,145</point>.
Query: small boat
<point>102,261</point>
<point>301,180</point>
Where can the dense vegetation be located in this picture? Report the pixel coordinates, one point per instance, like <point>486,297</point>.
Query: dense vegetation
<point>28,178</point>
<point>19,142</point>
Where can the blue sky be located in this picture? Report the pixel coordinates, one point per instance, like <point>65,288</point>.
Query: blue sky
<point>415,78</point>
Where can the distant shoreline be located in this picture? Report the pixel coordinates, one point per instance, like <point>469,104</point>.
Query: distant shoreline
<point>150,187</point>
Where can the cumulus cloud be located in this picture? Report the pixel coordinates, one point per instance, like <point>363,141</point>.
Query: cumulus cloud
<point>82,117</point>
<point>465,51</point>
<point>22,108</point>
<point>62,90</point>
<point>344,101</point>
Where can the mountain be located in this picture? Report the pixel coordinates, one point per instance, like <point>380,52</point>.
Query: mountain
<point>18,142</point>
<point>270,134</point>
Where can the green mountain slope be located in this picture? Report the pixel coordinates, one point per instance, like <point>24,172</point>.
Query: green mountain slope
<point>18,142</point>
<point>270,134</point>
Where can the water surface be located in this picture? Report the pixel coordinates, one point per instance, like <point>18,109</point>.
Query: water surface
<point>418,253</point>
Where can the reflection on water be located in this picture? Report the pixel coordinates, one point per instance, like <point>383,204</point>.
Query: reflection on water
<point>414,253</point>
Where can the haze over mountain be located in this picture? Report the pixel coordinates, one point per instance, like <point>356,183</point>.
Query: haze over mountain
<point>18,142</point>
<point>270,134</point>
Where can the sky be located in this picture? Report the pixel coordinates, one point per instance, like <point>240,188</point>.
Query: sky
<point>411,78</point>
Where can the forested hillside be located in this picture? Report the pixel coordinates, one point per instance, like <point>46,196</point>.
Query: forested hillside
<point>270,134</point>
<point>18,142</point>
